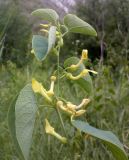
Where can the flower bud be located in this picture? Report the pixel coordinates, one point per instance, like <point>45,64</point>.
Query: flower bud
<point>51,90</point>
<point>45,25</point>
<point>44,30</point>
<point>84,54</point>
<point>53,78</point>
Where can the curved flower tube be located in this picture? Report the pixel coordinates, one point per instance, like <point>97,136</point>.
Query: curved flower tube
<point>50,130</point>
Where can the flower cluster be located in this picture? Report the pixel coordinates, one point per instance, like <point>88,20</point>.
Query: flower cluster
<point>68,107</point>
<point>46,27</point>
<point>39,88</point>
<point>74,67</point>
<point>72,109</point>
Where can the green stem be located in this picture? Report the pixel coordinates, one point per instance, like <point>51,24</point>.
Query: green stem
<point>58,83</point>
<point>58,72</point>
<point>61,120</point>
<point>58,91</point>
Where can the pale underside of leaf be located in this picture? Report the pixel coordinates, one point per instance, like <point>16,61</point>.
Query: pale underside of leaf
<point>40,46</point>
<point>51,38</point>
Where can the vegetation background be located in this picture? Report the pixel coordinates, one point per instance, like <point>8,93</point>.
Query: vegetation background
<point>108,54</point>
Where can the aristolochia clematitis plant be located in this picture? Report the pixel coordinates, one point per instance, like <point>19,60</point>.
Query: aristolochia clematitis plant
<point>22,112</point>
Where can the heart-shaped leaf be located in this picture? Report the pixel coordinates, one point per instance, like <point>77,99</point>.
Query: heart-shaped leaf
<point>11,123</point>
<point>25,111</point>
<point>77,25</point>
<point>107,137</point>
<point>40,46</point>
<point>85,82</point>
<point>47,14</point>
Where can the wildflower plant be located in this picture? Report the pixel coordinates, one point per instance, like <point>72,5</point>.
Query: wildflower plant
<point>23,110</point>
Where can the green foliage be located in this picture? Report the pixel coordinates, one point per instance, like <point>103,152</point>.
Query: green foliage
<point>47,14</point>
<point>77,25</point>
<point>106,136</point>
<point>14,34</point>
<point>26,108</point>
<point>86,81</point>
<point>12,127</point>
<point>110,19</point>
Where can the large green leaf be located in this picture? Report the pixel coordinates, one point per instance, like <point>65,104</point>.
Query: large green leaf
<point>47,14</point>
<point>25,111</point>
<point>107,137</point>
<point>51,38</point>
<point>40,46</point>
<point>85,82</point>
<point>11,123</point>
<point>77,25</point>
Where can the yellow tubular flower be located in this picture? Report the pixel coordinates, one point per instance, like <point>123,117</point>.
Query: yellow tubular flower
<point>51,90</point>
<point>50,130</point>
<point>80,112</point>
<point>82,74</point>
<point>92,71</point>
<point>84,54</point>
<point>38,88</point>
<point>70,76</point>
<point>44,30</point>
<point>70,108</point>
<point>64,108</point>
<point>83,103</point>
<point>45,25</point>
<point>74,67</point>
<point>85,71</point>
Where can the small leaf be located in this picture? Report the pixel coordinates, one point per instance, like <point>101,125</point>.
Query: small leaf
<point>51,38</point>
<point>47,14</point>
<point>40,46</point>
<point>77,25</point>
<point>11,123</point>
<point>85,82</point>
<point>107,137</point>
<point>25,110</point>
